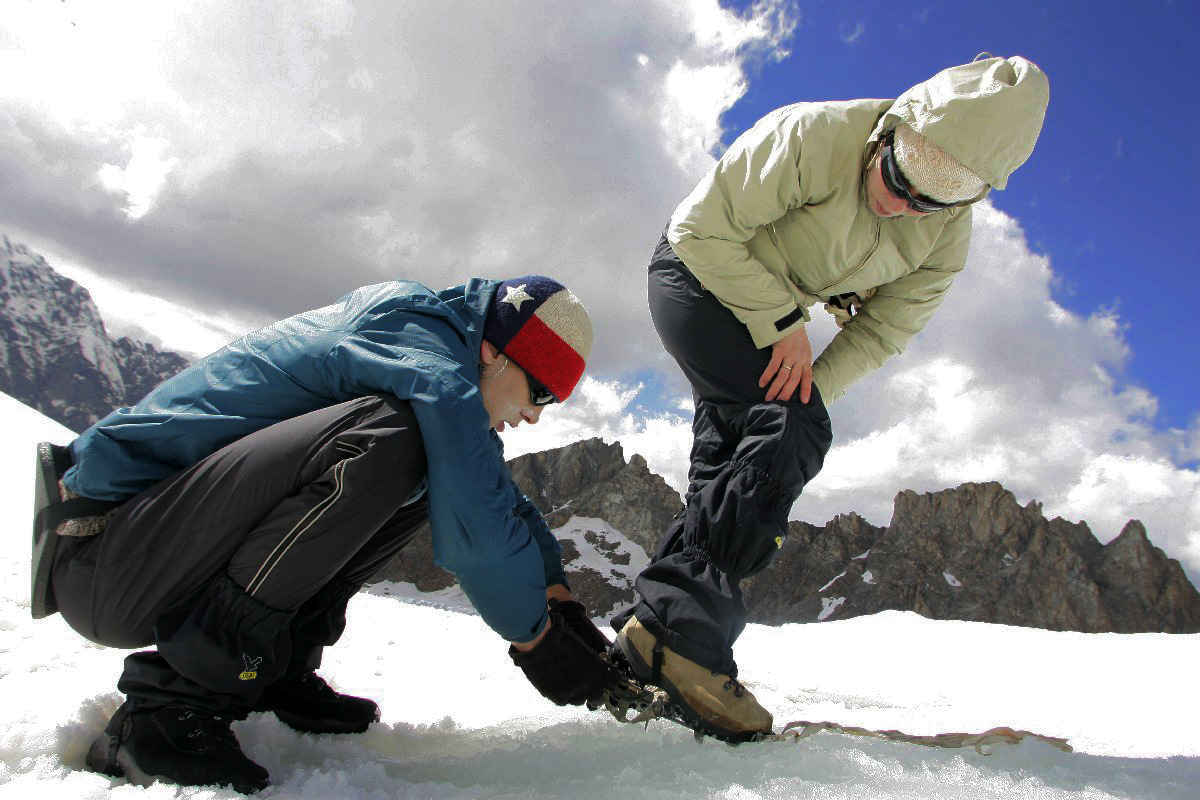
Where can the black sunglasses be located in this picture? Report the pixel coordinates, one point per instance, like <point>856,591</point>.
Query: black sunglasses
<point>539,395</point>
<point>899,187</point>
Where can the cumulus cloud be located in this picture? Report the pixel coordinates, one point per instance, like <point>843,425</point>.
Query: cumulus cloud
<point>256,160</point>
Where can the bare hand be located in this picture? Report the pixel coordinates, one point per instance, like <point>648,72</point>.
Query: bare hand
<point>790,366</point>
<point>525,647</point>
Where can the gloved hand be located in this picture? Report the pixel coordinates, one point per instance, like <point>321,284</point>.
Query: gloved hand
<point>575,615</point>
<point>562,667</point>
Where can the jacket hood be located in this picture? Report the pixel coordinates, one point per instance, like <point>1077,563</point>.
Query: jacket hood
<point>987,114</point>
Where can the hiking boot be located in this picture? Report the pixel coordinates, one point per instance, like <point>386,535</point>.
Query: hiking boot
<point>174,744</point>
<point>307,703</point>
<point>715,703</point>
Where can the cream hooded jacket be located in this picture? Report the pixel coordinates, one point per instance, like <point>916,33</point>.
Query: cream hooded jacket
<point>781,221</point>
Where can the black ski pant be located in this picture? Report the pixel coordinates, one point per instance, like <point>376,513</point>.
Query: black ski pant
<point>749,462</point>
<point>238,569</point>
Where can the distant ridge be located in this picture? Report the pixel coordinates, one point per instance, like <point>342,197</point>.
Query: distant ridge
<point>969,553</point>
<point>57,356</point>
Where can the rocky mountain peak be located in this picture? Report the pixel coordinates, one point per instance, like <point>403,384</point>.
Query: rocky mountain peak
<point>592,479</point>
<point>606,512</point>
<point>974,553</point>
<point>57,356</point>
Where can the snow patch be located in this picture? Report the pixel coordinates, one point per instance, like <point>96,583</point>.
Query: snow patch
<point>868,577</point>
<point>606,542</point>
<point>950,579</point>
<point>861,556</point>
<point>829,605</point>
<point>832,582</point>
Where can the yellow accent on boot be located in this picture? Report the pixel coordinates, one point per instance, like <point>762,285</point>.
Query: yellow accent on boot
<point>718,699</point>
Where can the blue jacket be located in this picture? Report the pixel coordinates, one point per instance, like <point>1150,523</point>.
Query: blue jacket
<point>398,338</point>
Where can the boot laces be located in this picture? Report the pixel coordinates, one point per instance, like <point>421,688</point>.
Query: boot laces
<point>314,683</point>
<point>212,732</point>
<point>732,683</point>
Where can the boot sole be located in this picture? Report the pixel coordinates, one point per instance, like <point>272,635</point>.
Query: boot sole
<point>308,725</point>
<point>693,717</point>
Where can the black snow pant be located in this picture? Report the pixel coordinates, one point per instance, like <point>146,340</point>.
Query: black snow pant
<point>750,459</point>
<point>238,569</point>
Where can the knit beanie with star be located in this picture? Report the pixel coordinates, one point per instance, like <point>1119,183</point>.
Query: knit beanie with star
<point>541,325</point>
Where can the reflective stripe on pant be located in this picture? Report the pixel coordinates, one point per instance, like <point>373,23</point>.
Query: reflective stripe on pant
<point>223,565</point>
<point>750,461</point>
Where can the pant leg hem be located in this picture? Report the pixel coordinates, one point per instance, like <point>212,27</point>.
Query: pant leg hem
<point>722,663</point>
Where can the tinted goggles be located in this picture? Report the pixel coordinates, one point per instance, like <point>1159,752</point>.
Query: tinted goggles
<point>899,187</point>
<point>539,395</point>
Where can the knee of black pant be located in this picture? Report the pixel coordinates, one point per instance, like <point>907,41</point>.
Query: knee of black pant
<point>787,441</point>
<point>387,449</point>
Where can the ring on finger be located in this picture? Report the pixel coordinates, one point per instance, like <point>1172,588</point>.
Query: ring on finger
<point>787,366</point>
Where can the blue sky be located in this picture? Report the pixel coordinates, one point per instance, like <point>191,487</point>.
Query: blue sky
<point>1112,192</point>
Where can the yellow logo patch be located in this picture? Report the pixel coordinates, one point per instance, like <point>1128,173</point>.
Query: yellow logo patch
<point>779,541</point>
<point>251,671</point>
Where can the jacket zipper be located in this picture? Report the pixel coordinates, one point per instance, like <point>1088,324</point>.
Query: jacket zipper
<point>875,223</point>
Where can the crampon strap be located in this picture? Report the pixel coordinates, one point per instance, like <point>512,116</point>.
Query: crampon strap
<point>802,730</point>
<point>630,701</point>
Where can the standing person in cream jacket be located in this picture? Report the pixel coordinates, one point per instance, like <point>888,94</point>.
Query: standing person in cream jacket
<point>864,206</point>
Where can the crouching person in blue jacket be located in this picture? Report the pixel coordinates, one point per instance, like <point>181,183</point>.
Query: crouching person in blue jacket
<point>262,486</point>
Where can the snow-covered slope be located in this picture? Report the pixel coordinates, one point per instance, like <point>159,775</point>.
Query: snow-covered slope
<point>459,721</point>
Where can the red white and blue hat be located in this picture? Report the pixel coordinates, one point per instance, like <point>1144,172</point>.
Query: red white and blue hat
<point>541,325</point>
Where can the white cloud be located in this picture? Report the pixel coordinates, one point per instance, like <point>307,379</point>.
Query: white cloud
<point>142,177</point>
<point>855,33</point>
<point>256,159</point>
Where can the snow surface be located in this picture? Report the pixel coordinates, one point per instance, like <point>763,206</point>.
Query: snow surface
<point>460,722</point>
<point>950,579</point>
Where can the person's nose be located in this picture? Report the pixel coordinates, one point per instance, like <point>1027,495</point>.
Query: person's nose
<point>532,414</point>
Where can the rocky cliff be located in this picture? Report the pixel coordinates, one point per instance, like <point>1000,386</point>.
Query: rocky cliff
<point>606,512</point>
<point>970,553</point>
<point>974,553</point>
<point>56,355</point>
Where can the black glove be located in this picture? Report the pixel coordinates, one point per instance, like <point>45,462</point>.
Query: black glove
<point>563,668</point>
<point>575,615</point>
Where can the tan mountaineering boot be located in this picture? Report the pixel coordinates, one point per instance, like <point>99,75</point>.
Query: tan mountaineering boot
<point>715,702</point>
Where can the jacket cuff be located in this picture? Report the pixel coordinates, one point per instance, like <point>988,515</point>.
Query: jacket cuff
<point>768,327</point>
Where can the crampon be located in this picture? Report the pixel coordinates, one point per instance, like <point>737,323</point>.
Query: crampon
<point>632,701</point>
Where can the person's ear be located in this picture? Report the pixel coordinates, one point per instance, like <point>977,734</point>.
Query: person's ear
<point>488,354</point>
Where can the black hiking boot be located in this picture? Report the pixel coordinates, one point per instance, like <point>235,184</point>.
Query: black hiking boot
<point>174,744</point>
<point>307,703</point>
